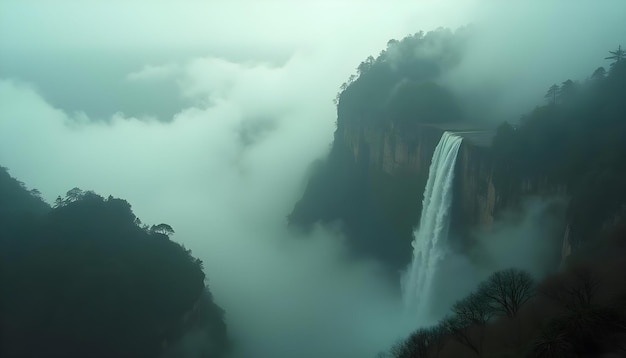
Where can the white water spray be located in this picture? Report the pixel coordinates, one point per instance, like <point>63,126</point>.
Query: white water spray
<point>430,239</point>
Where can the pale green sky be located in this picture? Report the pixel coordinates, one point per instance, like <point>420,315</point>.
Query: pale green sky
<point>79,52</point>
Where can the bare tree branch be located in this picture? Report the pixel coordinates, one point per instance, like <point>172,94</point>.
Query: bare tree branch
<point>506,291</point>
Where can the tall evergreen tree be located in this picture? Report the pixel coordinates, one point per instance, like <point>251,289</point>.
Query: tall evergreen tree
<point>553,91</point>
<point>617,55</point>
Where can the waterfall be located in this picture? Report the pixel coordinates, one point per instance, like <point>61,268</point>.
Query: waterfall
<point>430,239</point>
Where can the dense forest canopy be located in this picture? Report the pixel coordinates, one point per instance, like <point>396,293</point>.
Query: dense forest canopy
<point>577,139</point>
<point>86,279</point>
<point>402,82</point>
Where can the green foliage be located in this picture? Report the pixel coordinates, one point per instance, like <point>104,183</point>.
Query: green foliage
<point>15,197</point>
<point>398,88</point>
<point>617,55</point>
<point>400,82</point>
<point>163,229</point>
<point>579,140</point>
<point>553,91</point>
<point>412,101</point>
<point>85,280</point>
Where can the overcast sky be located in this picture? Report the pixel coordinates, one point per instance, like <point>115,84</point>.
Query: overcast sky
<point>79,52</point>
<point>206,115</point>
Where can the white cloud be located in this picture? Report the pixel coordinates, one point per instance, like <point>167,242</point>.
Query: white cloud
<point>226,199</point>
<point>154,73</point>
<point>522,48</point>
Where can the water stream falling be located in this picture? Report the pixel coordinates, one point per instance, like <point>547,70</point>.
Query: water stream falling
<point>430,239</point>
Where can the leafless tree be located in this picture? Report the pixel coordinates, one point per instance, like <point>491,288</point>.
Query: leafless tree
<point>416,345</point>
<point>506,291</point>
<point>438,336</point>
<point>576,292</point>
<point>467,326</point>
<point>552,342</point>
<point>460,331</point>
<point>473,309</point>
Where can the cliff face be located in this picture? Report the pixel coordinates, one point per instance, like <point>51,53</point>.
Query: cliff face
<point>374,180</point>
<point>390,151</point>
<point>475,193</point>
<point>397,153</point>
<point>479,198</point>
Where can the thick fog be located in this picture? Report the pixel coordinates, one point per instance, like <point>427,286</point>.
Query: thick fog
<point>206,116</point>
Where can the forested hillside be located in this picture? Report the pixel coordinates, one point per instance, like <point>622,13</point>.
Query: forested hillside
<point>86,279</point>
<point>578,140</point>
<point>402,83</point>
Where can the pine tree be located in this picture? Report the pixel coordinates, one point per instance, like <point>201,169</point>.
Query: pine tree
<point>553,91</point>
<point>617,55</point>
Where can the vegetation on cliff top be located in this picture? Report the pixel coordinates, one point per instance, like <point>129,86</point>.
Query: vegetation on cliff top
<point>401,87</point>
<point>578,140</point>
<point>86,279</point>
<point>402,84</point>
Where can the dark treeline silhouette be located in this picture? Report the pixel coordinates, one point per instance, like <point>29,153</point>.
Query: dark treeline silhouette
<point>580,312</point>
<point>86,279</point>
<point>401,83</point>
<point>577,140</point>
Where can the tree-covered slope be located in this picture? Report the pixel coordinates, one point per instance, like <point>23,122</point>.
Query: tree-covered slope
<point>402,84</point>
<point>16,202</point>
<point>84,279</point>
<point>574,143</point>
<point>578,140</point>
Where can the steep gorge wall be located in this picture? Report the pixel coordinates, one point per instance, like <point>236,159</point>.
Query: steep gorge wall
<point>475,193</point>
<point>485,204</point>
<point>391,151</point>
<point>376,179</point>
<point>396,153</point>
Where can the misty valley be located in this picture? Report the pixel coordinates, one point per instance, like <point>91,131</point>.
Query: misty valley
<point>453,200</point>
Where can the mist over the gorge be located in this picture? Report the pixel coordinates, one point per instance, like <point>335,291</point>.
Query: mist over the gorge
<point>208,116</point>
